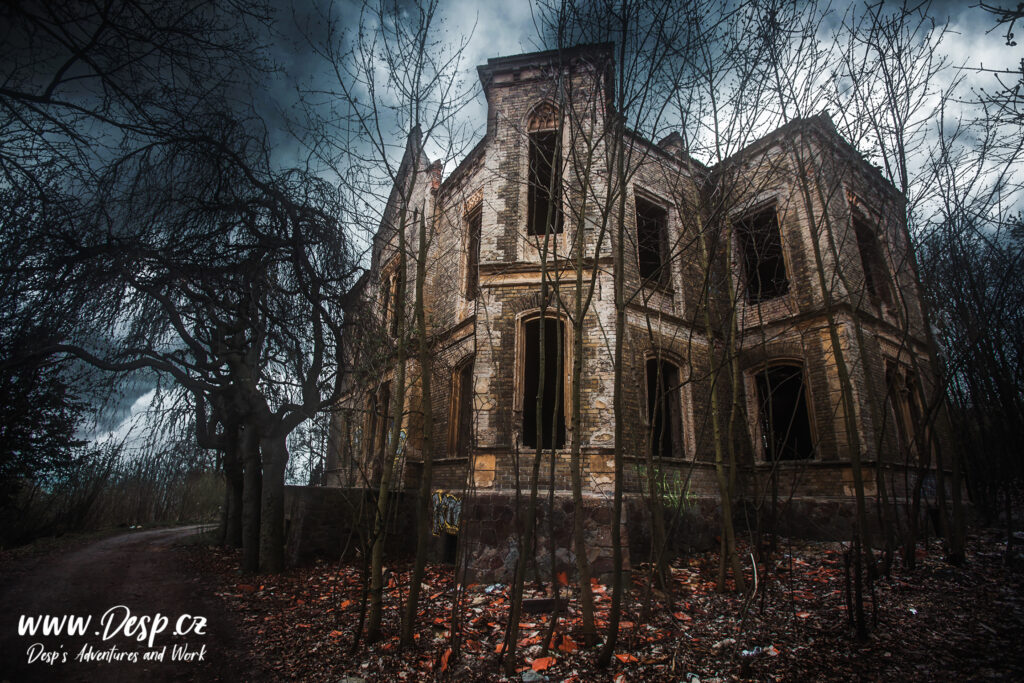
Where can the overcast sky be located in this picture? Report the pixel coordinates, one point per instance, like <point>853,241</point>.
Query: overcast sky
<point>506,28</point>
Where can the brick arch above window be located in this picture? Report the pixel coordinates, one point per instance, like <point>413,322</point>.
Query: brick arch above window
<point>543,116</point>
<point>533,302</point>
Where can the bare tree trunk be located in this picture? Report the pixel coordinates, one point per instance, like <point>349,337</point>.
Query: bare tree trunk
<point>234,485</point>
<point>275,460</point>
<point>391,452</point>
<point>842,369</point>
<point>251,495</point>
<point>426,475</point>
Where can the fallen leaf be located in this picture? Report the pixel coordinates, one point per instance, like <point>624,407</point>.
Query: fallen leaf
<point>626,658</point>
<point>542,663</point>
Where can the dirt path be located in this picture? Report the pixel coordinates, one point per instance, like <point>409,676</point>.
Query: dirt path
<point>144,573</point>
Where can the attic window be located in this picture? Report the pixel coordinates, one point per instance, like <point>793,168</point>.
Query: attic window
<point>785,422</point>
<point>664,412</point>
<point>545,191</point>
<point>876,279</point>
<point>552,425</point>
<point>473,223</point>
<point>652,242</point>
<point>760,246</point>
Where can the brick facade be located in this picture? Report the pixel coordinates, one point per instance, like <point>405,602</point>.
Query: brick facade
<point>813,181</point>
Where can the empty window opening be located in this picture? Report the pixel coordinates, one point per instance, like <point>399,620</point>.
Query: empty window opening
<point>545,206</point>
<point>785,422</point>
<point>906,404</point>
<point>552,425</point>
<point>473,223</point>
<point>664,410</point>
<point>652,241</point>
<point>876,280</point>
<point>899,401</point>
<point>461,414</point>
<point>760,245</point>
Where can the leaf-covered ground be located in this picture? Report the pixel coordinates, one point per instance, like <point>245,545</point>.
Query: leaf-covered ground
<point>933,623</point>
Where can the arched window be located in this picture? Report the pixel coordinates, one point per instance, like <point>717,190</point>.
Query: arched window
<point>784,420</point>
<point>664,409</point>
<point>544,175</point>
<point>460,413</point>
<point>551,391</point>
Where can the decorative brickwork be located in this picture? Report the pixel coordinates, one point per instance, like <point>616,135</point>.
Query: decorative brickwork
<point>802,181</point>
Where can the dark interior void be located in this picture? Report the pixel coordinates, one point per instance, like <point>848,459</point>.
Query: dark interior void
<point>664,412</point>
<point>652,241</point>
<point>785,423</point>
<point>451,548</point>
<point>760,243</point>
<point>473,222</point>
<point>464,431</point>
<point>552,416</point>
<point>876,282</point>
<point>544,184</point>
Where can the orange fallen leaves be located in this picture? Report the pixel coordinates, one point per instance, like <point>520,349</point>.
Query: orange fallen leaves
<point>568,644</point>
<point>542,663</point>
<point>444,659</point>
<point>626,658</point>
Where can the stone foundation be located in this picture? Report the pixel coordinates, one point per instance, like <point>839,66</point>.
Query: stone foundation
<point>491,533</point>
<point>324,522</point>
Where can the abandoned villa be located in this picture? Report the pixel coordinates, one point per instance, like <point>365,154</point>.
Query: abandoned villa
<point>739,281</point>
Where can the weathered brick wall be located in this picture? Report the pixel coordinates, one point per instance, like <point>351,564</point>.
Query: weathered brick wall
<point>702,205</point>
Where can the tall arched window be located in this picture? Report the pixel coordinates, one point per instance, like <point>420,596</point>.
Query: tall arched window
<point>544,175</point>
<point>664,409</point>
<point>784,420</point>
<point>460,414</point>
<point>551,390</point>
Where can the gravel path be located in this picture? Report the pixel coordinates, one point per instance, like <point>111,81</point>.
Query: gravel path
<point>143,573</point>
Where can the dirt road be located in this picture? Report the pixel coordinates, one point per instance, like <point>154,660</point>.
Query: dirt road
<point>121,584</point>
